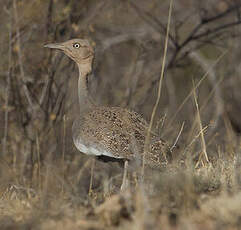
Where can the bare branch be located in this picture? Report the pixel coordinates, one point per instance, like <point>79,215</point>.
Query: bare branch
<point>153,22</point>
<point>20,59</point>
<point>4,147</point>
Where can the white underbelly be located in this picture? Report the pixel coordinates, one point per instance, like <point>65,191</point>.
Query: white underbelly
<point>91,150</point>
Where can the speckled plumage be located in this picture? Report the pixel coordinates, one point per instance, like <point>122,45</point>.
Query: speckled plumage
<point>118,133</point>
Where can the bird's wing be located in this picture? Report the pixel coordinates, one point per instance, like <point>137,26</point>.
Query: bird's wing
<point>119,132</point>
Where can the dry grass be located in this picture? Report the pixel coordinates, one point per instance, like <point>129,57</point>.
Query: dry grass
<point>177,197</point>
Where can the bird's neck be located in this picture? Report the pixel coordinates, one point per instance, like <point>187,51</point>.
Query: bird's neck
<point>85,102</point>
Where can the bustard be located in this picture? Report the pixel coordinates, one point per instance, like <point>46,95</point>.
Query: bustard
<point>111,132</point>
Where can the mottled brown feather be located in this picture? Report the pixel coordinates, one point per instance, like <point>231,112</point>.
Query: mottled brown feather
<point>120,132</point>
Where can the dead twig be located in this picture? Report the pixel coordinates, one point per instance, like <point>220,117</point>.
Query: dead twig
<point>217,92</point>
<point>178,136</point>
<point>200,125</point>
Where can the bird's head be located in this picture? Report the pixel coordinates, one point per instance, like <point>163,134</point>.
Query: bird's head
<point>79,50</point>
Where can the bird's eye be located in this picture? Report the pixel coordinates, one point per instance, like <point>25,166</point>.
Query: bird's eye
<point>76,45</point>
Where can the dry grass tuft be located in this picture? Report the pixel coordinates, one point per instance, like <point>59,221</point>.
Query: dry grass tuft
<point>176,197</point>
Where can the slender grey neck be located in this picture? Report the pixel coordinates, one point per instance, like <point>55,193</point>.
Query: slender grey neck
<point>85,102</point>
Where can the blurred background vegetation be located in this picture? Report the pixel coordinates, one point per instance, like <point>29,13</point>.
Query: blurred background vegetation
<point>38,87</point>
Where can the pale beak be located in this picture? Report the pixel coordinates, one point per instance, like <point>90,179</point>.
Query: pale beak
<point>59,46</point>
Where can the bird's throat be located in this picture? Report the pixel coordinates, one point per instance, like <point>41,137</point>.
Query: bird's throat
<point>85,102</point>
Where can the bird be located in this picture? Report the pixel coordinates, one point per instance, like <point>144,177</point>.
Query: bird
<point>109,133</point>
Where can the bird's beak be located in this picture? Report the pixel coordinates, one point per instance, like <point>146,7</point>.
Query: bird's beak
<point>59,46</point>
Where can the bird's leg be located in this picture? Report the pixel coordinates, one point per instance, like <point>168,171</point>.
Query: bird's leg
<point>125,180</point>
<point>91,176</point>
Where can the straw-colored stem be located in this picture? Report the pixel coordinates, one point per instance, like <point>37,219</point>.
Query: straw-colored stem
<point>147,140</point>
<point>200,126</point>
